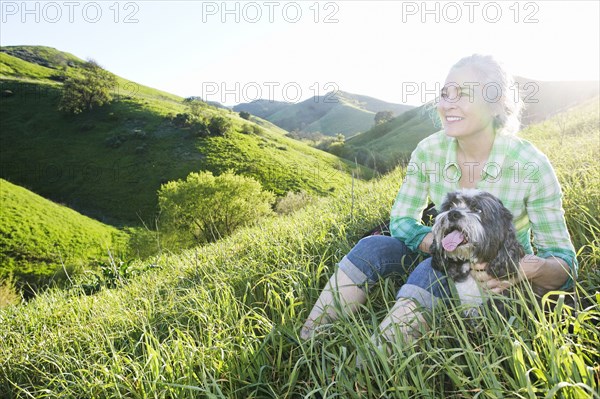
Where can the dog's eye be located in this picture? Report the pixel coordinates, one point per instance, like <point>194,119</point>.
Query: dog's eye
<point>476,210</point>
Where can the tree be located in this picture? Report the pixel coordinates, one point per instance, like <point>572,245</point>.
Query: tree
<point>195,105</point>
<point>219,126</point>
<point>86,87</point>
<point>383,116</point>
<point>245,115</point>
<point>204,208</point>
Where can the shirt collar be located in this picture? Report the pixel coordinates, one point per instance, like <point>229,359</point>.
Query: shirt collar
<point>493,166</point>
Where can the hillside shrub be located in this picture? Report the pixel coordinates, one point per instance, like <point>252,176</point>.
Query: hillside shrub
<point>219,126</point>
<point>195,105</point>
<point>204,208</point>
<point>197,126</point>
<point>183,119</point>
<point>90,86</point>
<point>383,116</point>
<point>247,129</point>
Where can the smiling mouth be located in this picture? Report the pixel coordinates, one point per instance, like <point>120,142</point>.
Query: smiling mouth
<point>453,118</point>
<point>453,240</point>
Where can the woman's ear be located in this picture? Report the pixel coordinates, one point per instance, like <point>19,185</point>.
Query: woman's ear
<point>498,114</point>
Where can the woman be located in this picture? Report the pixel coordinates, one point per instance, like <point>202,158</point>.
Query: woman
<point>476,149</point>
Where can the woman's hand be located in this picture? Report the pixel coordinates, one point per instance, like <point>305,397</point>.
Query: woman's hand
<point>491,283</point>
<point>545,274</point>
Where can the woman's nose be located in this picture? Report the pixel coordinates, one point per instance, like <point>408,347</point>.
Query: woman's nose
<point>445,104</point>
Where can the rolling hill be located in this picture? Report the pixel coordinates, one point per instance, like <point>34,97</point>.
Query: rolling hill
<point>40,240</point>
<point>386,145</point>
<point>108,163</point>
<point>336,112</point>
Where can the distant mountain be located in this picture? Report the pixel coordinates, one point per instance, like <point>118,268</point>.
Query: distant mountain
<point>108,163</point>
<point>217,104</point>
<point>262,108</point>
<point>336,112</point>
<point>542,99</point>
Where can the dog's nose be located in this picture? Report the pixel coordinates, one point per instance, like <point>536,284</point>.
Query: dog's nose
<point>454,215</point>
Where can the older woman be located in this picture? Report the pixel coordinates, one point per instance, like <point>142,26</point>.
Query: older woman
<point>477,148</point>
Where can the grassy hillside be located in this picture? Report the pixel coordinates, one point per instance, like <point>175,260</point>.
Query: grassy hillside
<point>40,240</point>
<point>386,145</point>
<point>47,57</point>
<point>108,163</point>
<point>333,113</point>
<point>220,321</point>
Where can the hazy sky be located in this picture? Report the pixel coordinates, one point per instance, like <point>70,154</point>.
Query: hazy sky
<point>237,51</point>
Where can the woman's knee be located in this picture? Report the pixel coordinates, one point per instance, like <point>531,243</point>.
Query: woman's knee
<point>374,257</point>
<point>426,285</point>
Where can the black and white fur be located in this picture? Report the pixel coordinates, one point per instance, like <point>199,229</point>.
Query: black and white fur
<point>489,236</point>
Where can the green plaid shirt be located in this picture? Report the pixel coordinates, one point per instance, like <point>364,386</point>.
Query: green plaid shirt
<point>516,172</point>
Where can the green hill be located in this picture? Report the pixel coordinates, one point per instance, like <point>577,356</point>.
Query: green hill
<point>40,240</point>
<point>333,113</point>
<point>386,145</point>
<point>109,163</point>
<point>221,321</point>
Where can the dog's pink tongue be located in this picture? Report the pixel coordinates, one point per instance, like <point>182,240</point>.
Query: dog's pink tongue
<point>452,240</point>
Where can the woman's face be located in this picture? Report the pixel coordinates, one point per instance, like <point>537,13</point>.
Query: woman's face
<point>465,106</point>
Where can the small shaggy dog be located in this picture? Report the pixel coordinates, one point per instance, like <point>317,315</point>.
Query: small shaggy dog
<point>474,227</point>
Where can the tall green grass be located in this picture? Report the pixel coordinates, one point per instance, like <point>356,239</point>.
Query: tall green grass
<point>221,321</point>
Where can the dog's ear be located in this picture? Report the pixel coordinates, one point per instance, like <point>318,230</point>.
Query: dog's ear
<point>509,251</point>
<point>506,263</point>
<point>506,217</point>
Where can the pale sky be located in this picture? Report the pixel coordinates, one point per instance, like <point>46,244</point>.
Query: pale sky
<point>238,51</point>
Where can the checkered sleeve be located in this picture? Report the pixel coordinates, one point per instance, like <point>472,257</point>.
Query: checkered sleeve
<point>544,208</point>
<point>410,203</point>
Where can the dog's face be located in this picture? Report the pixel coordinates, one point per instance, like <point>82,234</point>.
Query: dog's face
<point>472,226</point>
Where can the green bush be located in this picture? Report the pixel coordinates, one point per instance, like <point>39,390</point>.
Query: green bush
<point>219,126</point>
<point>87,88</point>
<point>183,120</point>
<point>204,208</point>
<point>247,129</point>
